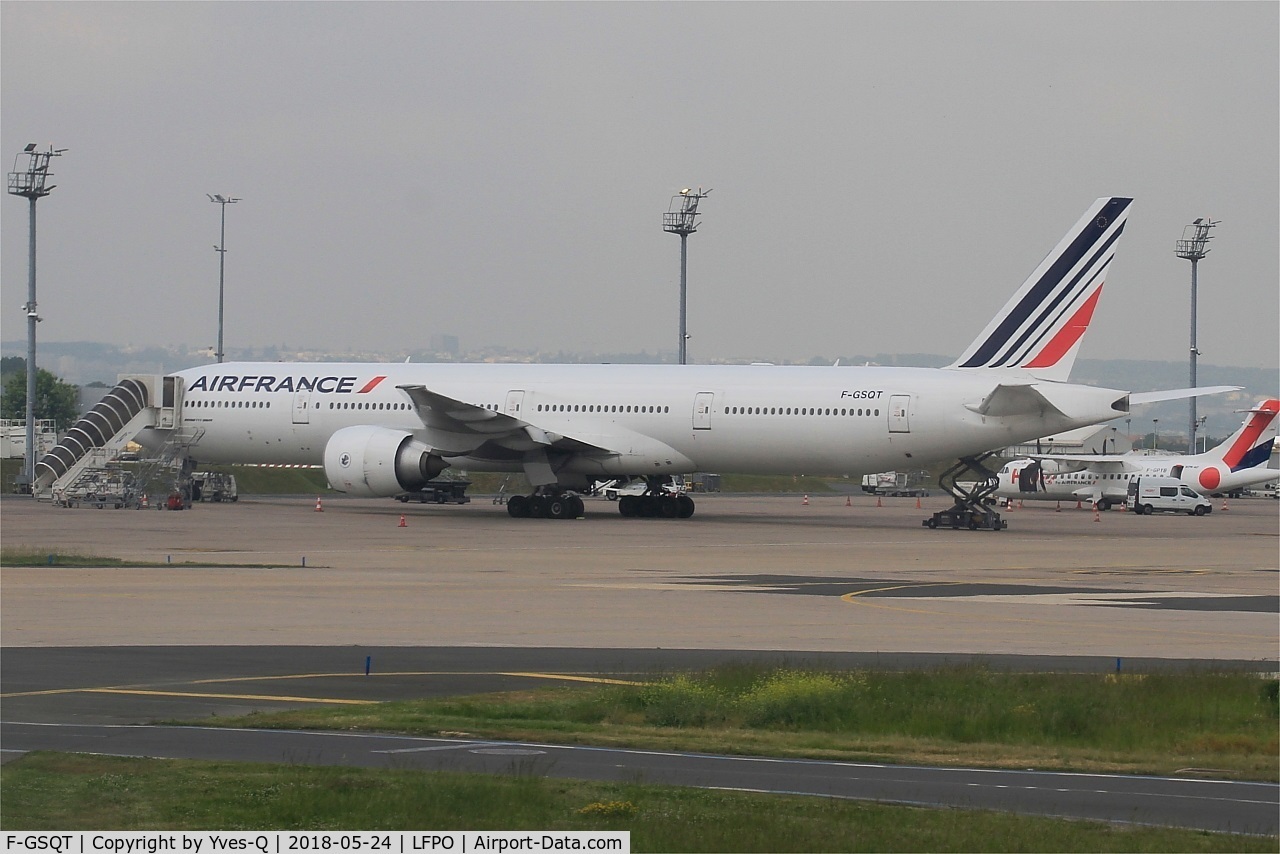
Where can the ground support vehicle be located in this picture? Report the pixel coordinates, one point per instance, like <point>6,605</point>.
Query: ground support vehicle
<point>439,492</point>
<point>1166,494</point>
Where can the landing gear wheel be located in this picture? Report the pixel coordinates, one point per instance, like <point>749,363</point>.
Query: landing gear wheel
<point>556,508</point>
<point>685,507</point>
<point>518,507</point>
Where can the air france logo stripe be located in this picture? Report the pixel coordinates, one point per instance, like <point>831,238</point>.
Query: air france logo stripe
<point>1067,298</point>
<point>1067,336</point>
<point>371,385</point>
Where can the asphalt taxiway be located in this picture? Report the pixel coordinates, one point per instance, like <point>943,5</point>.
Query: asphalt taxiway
<point>290,605</point>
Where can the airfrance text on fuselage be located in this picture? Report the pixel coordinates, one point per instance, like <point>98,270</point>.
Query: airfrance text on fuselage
<point>324,385</point>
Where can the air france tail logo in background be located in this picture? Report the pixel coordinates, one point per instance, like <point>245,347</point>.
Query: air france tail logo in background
<point>1247,451</point>
<point>249,382</point>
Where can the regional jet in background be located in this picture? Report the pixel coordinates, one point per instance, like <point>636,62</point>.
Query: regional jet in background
<point>1103,479</point>
<point>384,429</point>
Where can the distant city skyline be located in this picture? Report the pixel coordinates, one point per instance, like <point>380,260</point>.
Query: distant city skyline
<point>884,175</point>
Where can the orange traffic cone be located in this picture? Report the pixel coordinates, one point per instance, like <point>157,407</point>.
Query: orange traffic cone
<point>1096,517</point>
<point>878,504</point>
<point>146,504</point>
<point>806,500</point>
<point>319,508</point>
<point>402,522</point>
<point>917,502</point>
<point>848,501</point>
<point>1078,507</point>
<point>1224,503</point>
<point>1057,507</point>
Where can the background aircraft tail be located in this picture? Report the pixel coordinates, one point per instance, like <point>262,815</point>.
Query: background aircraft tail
<point>1250,446</point>
<point>1040,328</point>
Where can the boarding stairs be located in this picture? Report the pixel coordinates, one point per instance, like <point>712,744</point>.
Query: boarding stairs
<point>80,460</point>
<point>168,470</point>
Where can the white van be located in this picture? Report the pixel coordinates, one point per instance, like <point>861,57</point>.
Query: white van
<point>1149,494</point>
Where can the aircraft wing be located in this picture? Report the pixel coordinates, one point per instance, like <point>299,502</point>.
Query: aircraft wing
<point>1101,462</point>
<point>456,428</point>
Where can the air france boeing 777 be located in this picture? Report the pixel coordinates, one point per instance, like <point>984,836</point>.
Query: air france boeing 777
<point>383,429</point>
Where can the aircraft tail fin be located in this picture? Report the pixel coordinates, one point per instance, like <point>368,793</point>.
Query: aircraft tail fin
<point>1040,328</point>
<point>1250,446</point>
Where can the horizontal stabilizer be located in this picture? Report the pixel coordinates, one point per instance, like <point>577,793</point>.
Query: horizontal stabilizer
<point>1138,398</point>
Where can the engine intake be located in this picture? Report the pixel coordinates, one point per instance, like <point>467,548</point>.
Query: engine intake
<point>369,461</point>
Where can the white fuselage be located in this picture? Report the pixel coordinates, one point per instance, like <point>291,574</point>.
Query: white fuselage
<point>657,419</point>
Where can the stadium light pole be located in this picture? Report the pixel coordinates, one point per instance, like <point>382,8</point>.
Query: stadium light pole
<point>682,218</point>
<point>1194,246</point>
<point>221,249</point>
<point>32,184</point>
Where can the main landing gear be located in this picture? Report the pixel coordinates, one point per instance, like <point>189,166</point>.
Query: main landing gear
<point>546,503</point>
<point>657,502</point>
<point>553,502</point>
<point>971,510</point>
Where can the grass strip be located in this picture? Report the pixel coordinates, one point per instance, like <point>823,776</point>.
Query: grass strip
<point>1221,725</point>
<point>54,791</point>
<point>33,557</point>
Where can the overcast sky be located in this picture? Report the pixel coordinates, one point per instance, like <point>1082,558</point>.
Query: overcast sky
<point>884,174</point>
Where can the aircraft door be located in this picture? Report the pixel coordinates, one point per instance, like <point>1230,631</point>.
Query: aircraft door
<point>515,402</point>
<point>302,407</point>
<point>1030,478</point>
<point>900,413</point>
<point>703,403</point>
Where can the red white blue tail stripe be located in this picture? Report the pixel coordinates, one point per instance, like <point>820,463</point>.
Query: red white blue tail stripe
<point>1040,328</point>
<point>1251,445</point>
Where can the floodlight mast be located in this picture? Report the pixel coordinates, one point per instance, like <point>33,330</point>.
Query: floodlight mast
<point>221,249</point>
<point>1194,246</point>
<point>32,184</point>
<point>681,218</point>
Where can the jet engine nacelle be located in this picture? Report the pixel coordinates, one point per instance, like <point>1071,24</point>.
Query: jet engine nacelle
<point>369,461</point>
